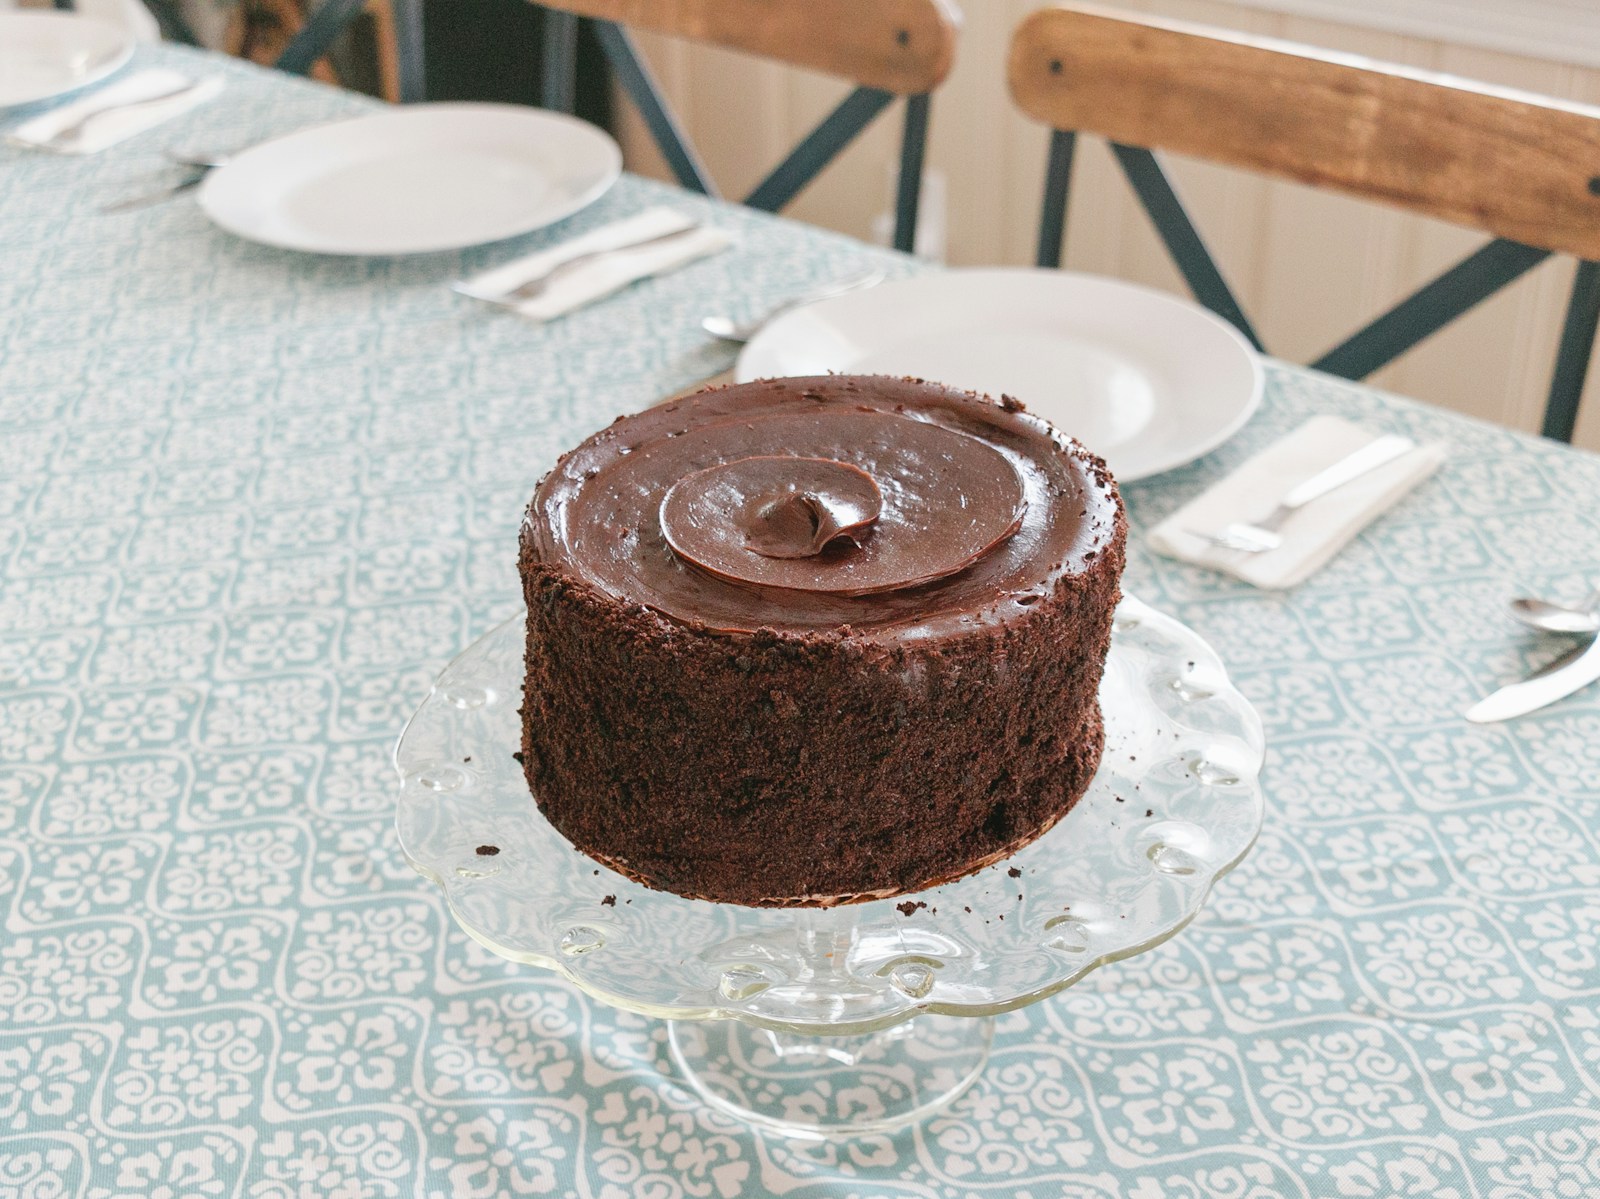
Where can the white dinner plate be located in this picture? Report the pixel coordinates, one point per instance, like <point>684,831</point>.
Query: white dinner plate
<point>412,180</point>
<point>47,54</point>
<point>1144,379</point>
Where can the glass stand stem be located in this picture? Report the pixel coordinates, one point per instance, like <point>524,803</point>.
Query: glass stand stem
<point>818,1087</point>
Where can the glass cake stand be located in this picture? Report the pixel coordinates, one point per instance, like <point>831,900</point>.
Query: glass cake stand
<point>862,1018</point>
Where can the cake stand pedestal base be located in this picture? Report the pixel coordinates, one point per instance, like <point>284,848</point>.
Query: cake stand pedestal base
<point>832,1086</point>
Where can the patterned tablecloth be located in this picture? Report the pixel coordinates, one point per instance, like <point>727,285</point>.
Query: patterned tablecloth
<point>251,502</point>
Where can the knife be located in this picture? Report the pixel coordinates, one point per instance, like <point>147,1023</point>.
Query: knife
<point>1561,678</point>
<point>155,197</point>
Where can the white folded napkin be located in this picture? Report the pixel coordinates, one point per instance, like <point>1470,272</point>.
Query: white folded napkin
<point>1314,534</point>
<point>112,127</point>
<point>593,280</point>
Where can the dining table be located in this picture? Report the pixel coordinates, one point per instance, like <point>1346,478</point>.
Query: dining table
<point>253,501</point>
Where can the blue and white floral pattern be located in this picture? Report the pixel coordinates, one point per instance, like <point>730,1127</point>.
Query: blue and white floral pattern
<point>251,503</point>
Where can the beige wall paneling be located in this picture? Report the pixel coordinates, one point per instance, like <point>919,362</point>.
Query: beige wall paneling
<point>669,60</point>
<point>1309,266</point>
<point>744,114</point>
<point>856,186</point>
<point>973,140</point>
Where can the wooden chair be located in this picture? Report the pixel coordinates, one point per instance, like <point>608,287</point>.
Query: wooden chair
<point>886,48</point>
<point>1520,167</point>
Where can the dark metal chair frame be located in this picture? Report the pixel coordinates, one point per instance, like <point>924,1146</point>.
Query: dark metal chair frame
<point>1412,320</point>
<point>329,20</point>
<point>815,151</point>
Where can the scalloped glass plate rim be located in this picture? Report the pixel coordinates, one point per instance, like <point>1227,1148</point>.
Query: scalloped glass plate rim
<point>1131,615</point>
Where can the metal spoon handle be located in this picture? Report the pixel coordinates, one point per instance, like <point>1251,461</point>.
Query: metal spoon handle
<point>1351,467</point>
<point>826,291</point>
<point>839,287</point>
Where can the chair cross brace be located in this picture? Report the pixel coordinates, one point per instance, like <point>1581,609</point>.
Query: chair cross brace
<point>1183,240</point>
<point>317,35</point>
<point>1414,319</point>
<point>636,78</point>
<point>1430,308</point>
<point>815,151</point>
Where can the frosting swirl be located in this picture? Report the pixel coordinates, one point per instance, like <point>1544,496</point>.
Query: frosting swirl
<point>896,507</point>
<point>824,525</point>
<point>753,519</point>
<point>802,522</point>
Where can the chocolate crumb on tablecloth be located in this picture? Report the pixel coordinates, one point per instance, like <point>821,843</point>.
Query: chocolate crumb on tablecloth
<point>609,901</point>
<point>910,906</point>
<point>1014,872</point>
<point>487,851</point>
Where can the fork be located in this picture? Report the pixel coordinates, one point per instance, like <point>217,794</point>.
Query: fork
<point>530,289</point>
<point>68,134</point>
<point>199,166</point>
<point>1260,536</point>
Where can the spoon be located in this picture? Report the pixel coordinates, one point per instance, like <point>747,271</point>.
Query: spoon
<point>1558,618</point>
<point>729,329</point>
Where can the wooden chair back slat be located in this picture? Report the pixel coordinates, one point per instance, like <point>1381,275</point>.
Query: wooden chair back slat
<point>1517,165</point>
<point>901,46</point>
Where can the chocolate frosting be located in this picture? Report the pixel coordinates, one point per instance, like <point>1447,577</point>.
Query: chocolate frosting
<point>810,504</point>
<point>899,508</point>
<point>771,520</point>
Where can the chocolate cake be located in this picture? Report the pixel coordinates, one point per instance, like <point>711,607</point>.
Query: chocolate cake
<point>810,641</point>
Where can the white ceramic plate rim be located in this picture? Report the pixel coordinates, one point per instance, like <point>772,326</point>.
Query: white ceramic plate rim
<point>1233,356</point>
<point>102,37</point>
<point>237,172</point>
